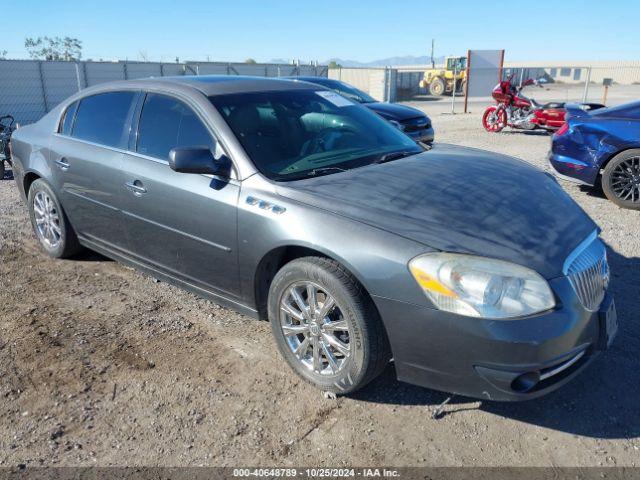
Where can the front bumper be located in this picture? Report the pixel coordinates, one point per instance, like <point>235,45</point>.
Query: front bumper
<point>487,358</point>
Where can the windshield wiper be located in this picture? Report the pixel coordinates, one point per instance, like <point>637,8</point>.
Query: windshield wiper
<point>311,173</point>
<point>322,170</point>
<point>388,157</point>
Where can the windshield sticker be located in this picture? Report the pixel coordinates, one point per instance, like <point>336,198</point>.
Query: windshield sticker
<point>334,98</point>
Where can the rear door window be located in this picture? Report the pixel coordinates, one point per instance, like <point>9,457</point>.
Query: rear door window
<point>102,118</point>
<point>166,123</point>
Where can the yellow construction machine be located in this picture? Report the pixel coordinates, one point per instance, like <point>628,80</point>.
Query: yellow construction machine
<point>441,81</point>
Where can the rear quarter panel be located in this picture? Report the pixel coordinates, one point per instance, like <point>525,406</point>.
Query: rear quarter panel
<point>30,149</point>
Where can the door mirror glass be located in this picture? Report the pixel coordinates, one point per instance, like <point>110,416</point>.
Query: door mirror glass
<point>199,160</point>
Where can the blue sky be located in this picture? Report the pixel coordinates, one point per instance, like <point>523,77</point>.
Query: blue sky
<point>318,30</point>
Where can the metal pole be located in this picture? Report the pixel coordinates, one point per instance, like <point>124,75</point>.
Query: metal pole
<point>585,93</point>
<point>453,93</point>
<point>387,76</point>
<point>44,90</point>
<point>78,81</point>
<point>521,76</point>
<point>467,77</point>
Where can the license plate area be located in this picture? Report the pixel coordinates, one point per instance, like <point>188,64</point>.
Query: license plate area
<point>608,323</point>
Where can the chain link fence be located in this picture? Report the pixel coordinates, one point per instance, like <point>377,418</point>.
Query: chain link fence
<point>30,88</point>
<point>608,85</point>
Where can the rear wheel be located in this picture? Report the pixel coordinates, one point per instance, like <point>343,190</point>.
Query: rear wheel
<point>50,223</point>
<point>621,179</point>
<point>437,87</point>
<point>1,169</point>
<point>325,325</point>
<point>494,119</point>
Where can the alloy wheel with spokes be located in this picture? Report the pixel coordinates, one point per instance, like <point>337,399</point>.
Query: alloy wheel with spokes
<point>315,328</point>
<point>494,119</point>
<point>50,223</point>
<point>625,180</point>
<point>47,220</point>
<point>326,326</point>
<point>621,179</point>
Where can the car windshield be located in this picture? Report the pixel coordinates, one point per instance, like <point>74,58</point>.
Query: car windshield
<point>300,133</point>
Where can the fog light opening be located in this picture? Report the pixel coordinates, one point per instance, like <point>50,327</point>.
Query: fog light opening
<point>525,382</point>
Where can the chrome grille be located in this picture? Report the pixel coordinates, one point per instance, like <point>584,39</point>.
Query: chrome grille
<point>588,272</point>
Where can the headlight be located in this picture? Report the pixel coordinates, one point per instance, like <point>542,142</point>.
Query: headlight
<point>397,124</point>
<point>481,287</point>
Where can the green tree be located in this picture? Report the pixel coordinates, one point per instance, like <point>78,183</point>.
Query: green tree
<point>334,64</point>
<point>250,60</point>
<point>54,48</point>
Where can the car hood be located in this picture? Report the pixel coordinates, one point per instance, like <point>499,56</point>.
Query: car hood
<point>461,200</point>
<point>393,111</point>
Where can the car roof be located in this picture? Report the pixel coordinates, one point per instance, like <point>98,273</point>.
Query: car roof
<point>225,84</point>
<point>311,79</point>
<point>209,85</point>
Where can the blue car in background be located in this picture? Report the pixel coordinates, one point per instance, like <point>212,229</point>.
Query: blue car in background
<point>602,144</point>
<point>411,121</point>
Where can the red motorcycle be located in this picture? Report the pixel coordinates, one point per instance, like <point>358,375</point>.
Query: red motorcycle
<point>517,111</point>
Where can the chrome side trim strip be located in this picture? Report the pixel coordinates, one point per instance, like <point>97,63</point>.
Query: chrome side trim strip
<point>562,367</point>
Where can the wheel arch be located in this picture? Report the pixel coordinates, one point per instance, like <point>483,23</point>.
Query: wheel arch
<point>279,256</point>
<point>612,154</point>
<point>29,178</point>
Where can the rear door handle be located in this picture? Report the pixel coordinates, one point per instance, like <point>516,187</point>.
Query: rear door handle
<point>62,164</point>
<point>136,187</point>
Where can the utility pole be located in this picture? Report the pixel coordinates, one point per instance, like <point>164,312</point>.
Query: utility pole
<point>433,63</point>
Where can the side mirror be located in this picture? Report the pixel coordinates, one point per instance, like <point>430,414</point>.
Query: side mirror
<point>199,160</point>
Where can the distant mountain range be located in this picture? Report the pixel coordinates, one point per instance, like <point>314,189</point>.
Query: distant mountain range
<point>390,61</point>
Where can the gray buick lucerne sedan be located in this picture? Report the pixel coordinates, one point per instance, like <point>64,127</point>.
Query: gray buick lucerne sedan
<point>474,271</point>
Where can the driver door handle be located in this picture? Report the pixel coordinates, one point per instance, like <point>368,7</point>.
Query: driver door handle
<point>62,164</point>
<point>136,187</point>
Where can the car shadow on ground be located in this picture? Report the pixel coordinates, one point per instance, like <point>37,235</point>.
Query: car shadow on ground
<point>87,255</point>
<point>535,133</point>
<point>602,402</point>
<point>595,191</point>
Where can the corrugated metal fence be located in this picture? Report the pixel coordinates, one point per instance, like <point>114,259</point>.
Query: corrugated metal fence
<point>31,88</point>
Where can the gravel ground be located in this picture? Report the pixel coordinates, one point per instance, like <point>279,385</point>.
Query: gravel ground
<point>101,365</point>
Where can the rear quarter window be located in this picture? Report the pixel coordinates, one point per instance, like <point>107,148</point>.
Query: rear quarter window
<point>67,119</point>
<point>101,118</point>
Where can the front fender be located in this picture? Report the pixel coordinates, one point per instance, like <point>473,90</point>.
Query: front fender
<point>378,259</point>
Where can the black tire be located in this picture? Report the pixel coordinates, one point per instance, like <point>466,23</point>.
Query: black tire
<point>1,169</point>
<point>624,167</point>
<point>437,87</point>
<point>67,244</point>
<point>369,350</point>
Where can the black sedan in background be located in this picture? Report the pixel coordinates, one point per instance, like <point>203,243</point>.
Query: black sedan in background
<point>411,121</point>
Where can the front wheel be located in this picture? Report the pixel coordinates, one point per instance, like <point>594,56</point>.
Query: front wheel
<point>621,179</point>
<point>437,87</point>
<point>494,119</point>
<point>325,325</point>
